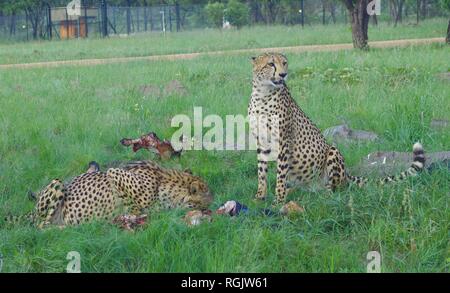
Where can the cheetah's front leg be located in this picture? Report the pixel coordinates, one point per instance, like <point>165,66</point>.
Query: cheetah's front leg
<point>262,174</point>
<point>282,170</point>
<point>259,129</point>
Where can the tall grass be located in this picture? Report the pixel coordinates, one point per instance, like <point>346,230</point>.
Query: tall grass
<point>54,121</point>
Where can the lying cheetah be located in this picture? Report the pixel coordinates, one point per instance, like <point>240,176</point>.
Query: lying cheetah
<point>301,150</point>
<point>97,195</point>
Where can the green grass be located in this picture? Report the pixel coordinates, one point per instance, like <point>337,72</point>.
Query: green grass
<point>210,40</point>
<point>54,121</point>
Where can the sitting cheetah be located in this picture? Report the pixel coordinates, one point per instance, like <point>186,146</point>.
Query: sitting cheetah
<point>97,195</point>
<point>300,149</point>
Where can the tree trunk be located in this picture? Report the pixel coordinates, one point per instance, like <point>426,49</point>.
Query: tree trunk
<point>272,11</point>
<point>323,12</point>
<point>34,17</point>
<point>333,11</point>
<point>423,8</point>
<point>392,13</point>
<point>145,15</point>
<point>177,16</point>
<point>360,23</point>
<point>447,39</point>
<point>12,24</point>
<point>254,11</point>
<point>399,12</point>
<point>418,11</point>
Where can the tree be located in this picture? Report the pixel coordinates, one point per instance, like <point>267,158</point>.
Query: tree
<point>215,12</point>
<point>237,13</point>
<point>360,22</point>
<point>270,9</point>
<point>396,8</point>
<point>35,9</point>
<point>423,8</point>
<point>255,10</point>
<point>332,7</point>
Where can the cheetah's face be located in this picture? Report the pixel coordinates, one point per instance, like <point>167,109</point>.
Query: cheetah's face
<point>199,196</point>
<point>270,70</point>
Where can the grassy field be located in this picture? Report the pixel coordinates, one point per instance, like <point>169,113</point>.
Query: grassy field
<point>210,40</point>
<point>54,121</point>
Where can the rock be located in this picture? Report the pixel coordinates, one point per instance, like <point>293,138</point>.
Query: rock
<point>344,133</point>
<point>389,163</point>
<point>337,131</point>
<point>439,124</point>
<point>444,164</point>
<point>445,76</point>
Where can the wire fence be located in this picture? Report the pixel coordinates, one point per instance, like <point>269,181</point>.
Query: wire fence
<point>106,20</point>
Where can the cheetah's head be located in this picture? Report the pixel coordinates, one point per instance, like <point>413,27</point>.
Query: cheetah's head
<point>270,70</point>
<point>199,196</point>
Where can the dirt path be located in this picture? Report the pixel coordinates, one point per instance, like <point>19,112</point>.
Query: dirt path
<point>172,57</point>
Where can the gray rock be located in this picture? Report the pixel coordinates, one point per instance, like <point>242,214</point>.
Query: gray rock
<point>439,124</point>
<point>389,163</point>
<point>344,133</point>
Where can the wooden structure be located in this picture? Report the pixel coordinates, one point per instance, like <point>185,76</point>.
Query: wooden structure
<point>69,29</point>
<point>73,26</point>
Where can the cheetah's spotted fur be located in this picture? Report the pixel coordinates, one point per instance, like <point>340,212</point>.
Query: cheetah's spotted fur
<point>302,152</point>
<point>97,195</point>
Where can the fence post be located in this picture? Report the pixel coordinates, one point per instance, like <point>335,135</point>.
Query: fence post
<point>170,18</point>
<point>104,9</point>
<point>12,24</point>
<point>86,26</point>
<point>303,12</point>
<point>114,18</point>
<point>138,19</point>
<point>67,24</point>
<point>49,22</point>
<point>145,18</point>
<point>26,24</point>
<point>128,17</point>
<point>151,19</point>
<point>418,11</point>
<point>177,15</point>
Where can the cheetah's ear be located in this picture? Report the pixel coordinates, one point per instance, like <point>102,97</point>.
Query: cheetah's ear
<point>253,59</point>
<point>31,195</point>
<point>187,170</point>
<point>194,188</point>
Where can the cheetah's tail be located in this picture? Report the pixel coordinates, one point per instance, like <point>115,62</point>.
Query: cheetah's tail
<point>416,167</point>
<point>15,220</point>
